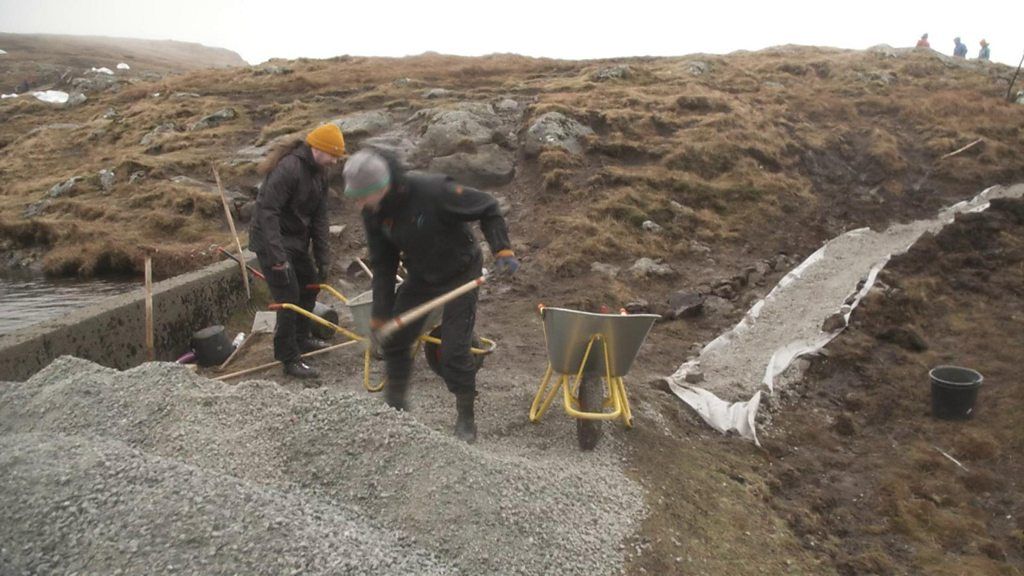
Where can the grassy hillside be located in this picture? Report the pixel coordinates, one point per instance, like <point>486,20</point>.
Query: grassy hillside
<point>750,152</point>
<point>44,58</point>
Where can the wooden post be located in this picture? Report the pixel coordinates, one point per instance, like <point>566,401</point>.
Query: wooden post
<point>150,349</point>
<point>963,149</point>
<point>231,224</point>
<point>1009,89</point>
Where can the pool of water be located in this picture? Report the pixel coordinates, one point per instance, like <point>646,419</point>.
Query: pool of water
<point>30,299</point>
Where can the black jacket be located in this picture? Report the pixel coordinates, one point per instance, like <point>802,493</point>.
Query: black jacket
<point>423,221</point>
<point>291,209</point>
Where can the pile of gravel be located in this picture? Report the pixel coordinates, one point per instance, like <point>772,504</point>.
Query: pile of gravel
<point>156,470</point>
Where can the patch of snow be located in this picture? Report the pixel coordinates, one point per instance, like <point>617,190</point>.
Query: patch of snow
<point>123,66</point>
<point>6,96</point>
<point>103,70</point>
<point>3,52</point>
<point>52,96</point>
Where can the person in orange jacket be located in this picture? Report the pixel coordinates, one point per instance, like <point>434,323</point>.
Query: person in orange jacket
<point>923,42</point>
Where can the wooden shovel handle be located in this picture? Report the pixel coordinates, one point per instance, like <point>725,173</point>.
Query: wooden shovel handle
<point>395,324</point>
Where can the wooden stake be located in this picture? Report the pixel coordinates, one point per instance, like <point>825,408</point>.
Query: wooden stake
<point>150,349</point>
<point>269,365</point>
<point>231,224</point>
<point>1009,89</point>
<point>964,149</point>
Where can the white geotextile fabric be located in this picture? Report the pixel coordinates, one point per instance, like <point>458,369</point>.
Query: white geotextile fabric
<point>745,361</point>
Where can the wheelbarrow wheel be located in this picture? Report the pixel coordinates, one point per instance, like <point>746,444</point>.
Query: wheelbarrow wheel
<point>432,352</point>
<point>591,398</point>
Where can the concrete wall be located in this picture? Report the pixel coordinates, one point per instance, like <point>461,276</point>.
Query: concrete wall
<point>112,331</point>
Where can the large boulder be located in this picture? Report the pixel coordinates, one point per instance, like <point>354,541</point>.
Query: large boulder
<point>445,131</point>
<point>648,268</point>
<point>363,124</point>
<point>488,165</point>
<point>556,130</point>
<point>620,72</point>
<point>64,188</point>
<point>94,83</point>
<point>397,143</point>
<point>215,119</point>
<point>158,133</point>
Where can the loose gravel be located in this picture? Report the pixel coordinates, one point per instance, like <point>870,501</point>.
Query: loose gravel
<point>157,470</point>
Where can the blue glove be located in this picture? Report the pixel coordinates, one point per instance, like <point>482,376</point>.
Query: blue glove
<point>505,263</point>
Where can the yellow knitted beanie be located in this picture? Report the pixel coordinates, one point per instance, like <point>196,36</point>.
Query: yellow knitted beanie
<point>327,138</point>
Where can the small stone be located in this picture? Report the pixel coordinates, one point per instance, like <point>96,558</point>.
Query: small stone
<point>833,323</point>
<point>694,377</point>
<point>647,267</point>
<point>639,306</point>
<point>336,231</point>
<point>107,179</point>
<point>605,269</point>
<point>435,93</point>
<point>651,226</point>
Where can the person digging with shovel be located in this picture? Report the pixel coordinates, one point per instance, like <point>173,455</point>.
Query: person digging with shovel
<point>423,220</point>
<point>291,216</point>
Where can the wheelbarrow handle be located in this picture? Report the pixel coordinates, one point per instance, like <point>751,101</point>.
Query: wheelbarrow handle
<point>395,324</point>
<point>328,288</point>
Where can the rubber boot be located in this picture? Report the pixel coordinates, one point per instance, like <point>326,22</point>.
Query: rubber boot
<point>395,394</point>
<point>465,426</point>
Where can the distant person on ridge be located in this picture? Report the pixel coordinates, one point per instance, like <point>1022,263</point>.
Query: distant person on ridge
<point>984,53</point>
<point>291,214</point>
<point>424,220</point>
<point>959,48</point>
<point>923,42</point>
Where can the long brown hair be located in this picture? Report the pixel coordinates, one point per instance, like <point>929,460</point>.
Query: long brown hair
<point>279,151</point>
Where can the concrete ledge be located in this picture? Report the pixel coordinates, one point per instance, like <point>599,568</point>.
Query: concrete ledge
<point>112,331</point>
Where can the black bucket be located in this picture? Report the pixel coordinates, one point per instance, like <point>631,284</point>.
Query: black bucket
<point>211,345</point>
<point>954,392</point>
<point>327,313</point>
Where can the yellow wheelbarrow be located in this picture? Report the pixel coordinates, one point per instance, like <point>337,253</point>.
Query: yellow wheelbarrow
<point>590,354</point>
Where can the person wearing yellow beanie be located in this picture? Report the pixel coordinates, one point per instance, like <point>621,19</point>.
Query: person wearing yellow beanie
<point>327,138</point>
<point>289,220</point>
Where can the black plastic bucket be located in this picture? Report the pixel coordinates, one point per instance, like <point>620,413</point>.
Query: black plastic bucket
<point>954,392</point>
<point>212,345</point>
<point>327,313</point>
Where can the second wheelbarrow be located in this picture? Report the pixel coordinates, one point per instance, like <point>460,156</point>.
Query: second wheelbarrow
<point>590,353</point>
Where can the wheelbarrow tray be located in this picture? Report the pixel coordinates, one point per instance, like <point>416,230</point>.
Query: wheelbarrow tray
<point>567,333</point>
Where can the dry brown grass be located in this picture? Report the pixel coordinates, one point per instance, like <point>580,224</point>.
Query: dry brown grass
<point>752,150</point>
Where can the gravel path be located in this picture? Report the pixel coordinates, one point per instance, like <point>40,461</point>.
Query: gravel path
<point>158,470</point>
<point>734,365</point>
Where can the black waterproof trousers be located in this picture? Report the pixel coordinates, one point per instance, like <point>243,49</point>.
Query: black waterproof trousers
<point>457,366</point>
<point>289,286</point>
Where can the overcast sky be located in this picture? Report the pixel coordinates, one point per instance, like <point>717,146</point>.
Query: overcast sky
<point>259,30</point>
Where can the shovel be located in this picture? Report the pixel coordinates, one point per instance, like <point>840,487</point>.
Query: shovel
<point>395,324</point>
<point>263,323</point>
